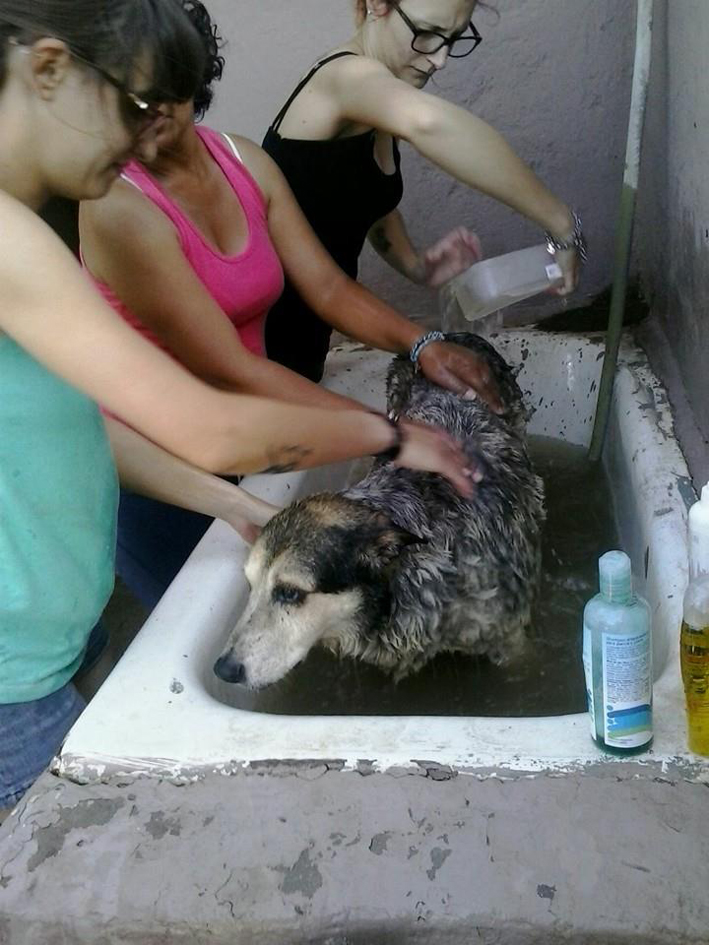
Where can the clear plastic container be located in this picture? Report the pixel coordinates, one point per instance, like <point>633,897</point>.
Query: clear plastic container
<point>493,284</point>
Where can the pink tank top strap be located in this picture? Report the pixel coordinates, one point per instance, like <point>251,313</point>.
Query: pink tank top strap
<point>225,152</point>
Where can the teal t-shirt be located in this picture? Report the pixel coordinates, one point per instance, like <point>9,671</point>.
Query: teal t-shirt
<point>58,503</point>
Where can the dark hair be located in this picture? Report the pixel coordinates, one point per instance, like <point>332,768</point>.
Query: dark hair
<point>114,34</point>
<point>214,63</point>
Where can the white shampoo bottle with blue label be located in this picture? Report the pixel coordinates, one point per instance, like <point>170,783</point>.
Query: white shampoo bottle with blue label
<point>617,660</point>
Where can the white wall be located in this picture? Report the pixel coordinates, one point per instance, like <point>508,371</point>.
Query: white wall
<point>673,222</point>
<point>552,75</point>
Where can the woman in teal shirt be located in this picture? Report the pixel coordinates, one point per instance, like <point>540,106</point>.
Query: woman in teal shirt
<point>86,76</point>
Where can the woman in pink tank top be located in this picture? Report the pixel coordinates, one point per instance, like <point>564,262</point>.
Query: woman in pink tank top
<point>191,251</point>
<point>245,283</point>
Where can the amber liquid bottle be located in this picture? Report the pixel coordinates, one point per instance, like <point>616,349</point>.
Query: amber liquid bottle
<point>694,636</point>
<point>694,660</point>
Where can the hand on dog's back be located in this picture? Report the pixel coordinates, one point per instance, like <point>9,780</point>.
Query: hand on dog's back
<point>431,449</point>
<point>462,371</point>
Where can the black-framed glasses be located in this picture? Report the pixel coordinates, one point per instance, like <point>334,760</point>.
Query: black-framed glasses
<point>137,113</point>
<point>429,42</point>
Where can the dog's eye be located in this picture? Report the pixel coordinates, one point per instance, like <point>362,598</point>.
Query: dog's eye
<point>288,594</point>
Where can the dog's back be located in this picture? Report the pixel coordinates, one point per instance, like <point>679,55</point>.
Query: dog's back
<point>400,567</point>
<point>471,583</point>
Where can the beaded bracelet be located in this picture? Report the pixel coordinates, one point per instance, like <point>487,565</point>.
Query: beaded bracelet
<point>424,340</point>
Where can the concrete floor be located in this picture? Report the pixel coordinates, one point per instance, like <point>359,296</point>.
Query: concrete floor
<point>294,854</point>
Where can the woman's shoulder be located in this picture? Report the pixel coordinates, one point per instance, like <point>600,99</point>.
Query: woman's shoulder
<point>333,83</point>
<point>344,65</point>
<point>248,153</point>
<point>240,144</point>
<point>23,236</point>
<point>27,245</point>
<point>124,212</point>
<point>13,210</point>
<point>362,93</point>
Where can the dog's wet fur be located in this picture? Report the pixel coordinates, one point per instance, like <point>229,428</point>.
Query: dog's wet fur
<point>400,567</point>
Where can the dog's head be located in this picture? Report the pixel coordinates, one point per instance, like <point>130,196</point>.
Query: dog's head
<point>318,575</point>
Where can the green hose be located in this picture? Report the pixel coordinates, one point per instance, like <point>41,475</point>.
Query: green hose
<point>624,232</point>
<point>624,238</point>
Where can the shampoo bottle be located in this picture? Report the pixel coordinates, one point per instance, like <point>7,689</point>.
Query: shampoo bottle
<point>694,637</point>
<point>617,659</point>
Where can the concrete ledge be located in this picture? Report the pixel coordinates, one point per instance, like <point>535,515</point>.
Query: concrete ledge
<point>338,858</point>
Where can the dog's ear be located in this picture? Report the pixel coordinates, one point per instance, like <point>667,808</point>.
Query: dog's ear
<point>383,543</point>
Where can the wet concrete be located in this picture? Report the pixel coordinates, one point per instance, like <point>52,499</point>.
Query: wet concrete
<point>693,440</point>
<point>619,855</point>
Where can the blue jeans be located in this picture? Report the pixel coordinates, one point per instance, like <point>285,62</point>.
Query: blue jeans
<point>31,733</point>
<point>154,541</point>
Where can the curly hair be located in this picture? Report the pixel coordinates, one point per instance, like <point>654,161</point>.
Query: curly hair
<point>214,63</point>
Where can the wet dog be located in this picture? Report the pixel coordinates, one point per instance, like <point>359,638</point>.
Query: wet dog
<point>400,567</point>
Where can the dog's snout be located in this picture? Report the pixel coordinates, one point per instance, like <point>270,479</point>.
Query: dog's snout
<point>230,669</point>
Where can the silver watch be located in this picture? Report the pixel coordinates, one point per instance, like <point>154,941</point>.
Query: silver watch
<point>577,241</point>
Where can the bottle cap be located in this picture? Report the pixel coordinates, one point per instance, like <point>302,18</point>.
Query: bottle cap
<point>615,575</point>
<point>699,535</point>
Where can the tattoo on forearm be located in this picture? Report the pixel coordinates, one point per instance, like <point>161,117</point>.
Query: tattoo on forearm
<point>380,240</point>
<point>286,459</point>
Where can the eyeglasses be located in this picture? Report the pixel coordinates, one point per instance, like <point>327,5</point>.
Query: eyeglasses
<point>137,113</point>
<point>428,42</point>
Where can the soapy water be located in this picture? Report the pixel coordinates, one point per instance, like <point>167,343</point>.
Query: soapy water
<point>547,681</point>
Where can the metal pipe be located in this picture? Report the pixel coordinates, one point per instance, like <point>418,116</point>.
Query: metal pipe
<point>624,230</point>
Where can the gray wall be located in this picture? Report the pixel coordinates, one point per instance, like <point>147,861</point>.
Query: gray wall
<point>552,75</point>
<point>672,235</point>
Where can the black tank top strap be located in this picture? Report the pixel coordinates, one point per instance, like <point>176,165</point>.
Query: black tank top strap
<point>303,82</point>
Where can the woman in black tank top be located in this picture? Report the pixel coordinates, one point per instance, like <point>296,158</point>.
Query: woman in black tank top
<point>369,92</point>
<point>343,192</point>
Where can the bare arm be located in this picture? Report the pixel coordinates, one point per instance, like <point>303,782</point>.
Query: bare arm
<point>363,91</point>
<point>149,470</point>
<point>389,238</point>
<point>60,321</point>
<point>433,267</point>
<point>344,303</point>
<point>337,299</point>
<point>129,244</point>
